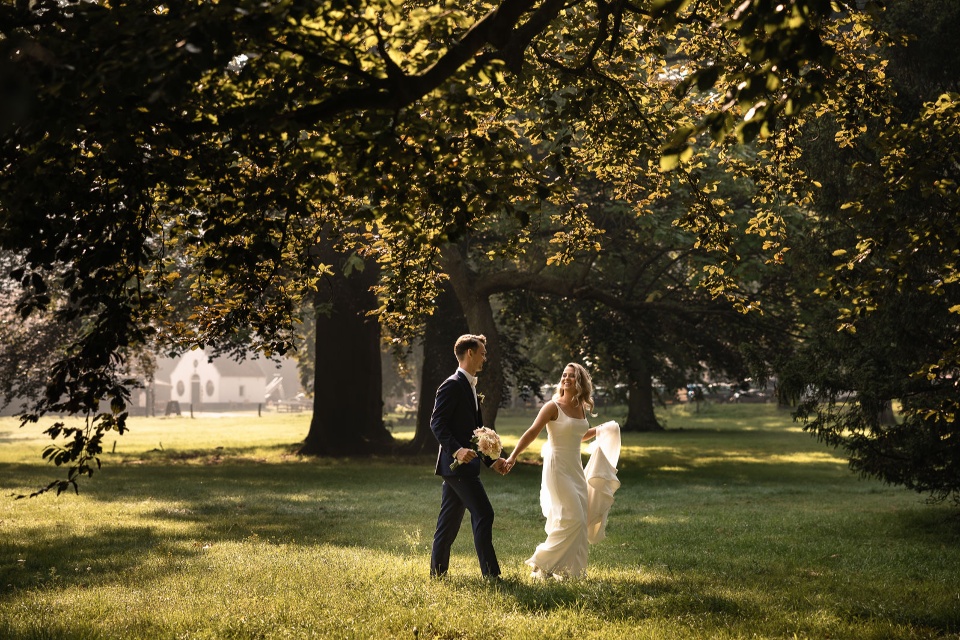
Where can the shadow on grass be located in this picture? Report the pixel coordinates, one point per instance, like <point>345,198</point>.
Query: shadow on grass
<point>179,508</point>
<point>50,560</point>
<point>622,598</point>
<point>601,596</point>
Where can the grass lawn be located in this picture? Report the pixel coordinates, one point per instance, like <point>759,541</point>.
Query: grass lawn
<point>731,524</point>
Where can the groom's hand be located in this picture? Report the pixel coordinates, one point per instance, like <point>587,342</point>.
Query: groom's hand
<point>500,466</point>
<point>464,455</point>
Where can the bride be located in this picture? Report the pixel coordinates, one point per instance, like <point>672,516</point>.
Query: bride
<point>575,501</point>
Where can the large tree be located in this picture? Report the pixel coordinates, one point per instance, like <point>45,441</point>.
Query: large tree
<point>348,389</point>
<point>882,255</point>
<point>440,333</point>
<point>635,307</point>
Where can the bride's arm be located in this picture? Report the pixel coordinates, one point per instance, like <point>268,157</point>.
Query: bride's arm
<point>591,432</point>
<point>547,413</point>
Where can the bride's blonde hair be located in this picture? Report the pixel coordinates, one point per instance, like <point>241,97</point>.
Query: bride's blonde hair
<point>583,386</point>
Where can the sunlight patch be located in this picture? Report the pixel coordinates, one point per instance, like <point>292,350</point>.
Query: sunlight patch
<point>664,520</point>
<point>810,457</point>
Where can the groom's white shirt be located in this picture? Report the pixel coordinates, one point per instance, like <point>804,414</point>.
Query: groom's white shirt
<point>473,385</point>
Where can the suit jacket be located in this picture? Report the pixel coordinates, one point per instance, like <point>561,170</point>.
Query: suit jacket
<point>455,416</point>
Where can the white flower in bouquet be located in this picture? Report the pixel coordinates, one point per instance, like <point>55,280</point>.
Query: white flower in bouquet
<point>488,442</point>
<point>485,442</point>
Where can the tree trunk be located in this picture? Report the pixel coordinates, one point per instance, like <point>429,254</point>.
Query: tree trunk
<point>440,334</point>
<point>479,314</point>
<point>348,385</point>
<point>640,413</point>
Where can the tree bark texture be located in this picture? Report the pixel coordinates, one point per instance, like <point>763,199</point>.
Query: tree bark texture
<point>479,314</point>
<point>348,385</point>
<point>440,334</point>
<point>640,413</point>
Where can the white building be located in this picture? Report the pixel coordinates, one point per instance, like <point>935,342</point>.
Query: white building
<point>221,384</point>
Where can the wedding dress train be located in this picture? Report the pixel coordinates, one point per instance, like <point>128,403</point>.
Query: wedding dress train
<point>575,501</point>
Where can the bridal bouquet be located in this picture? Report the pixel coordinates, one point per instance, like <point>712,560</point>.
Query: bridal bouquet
<point>486,442</point>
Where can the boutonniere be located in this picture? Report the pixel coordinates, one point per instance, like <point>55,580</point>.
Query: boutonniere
<point>480,398</point>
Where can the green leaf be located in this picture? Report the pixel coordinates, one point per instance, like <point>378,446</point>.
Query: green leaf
<point>669,161</point>
<point>659,8</point>
<point>706,78</point>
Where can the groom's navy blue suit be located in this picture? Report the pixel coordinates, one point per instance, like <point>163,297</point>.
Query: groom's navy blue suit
<point>455,416</point>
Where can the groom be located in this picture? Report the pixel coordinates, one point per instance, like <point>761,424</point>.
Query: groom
<point>455,416</point>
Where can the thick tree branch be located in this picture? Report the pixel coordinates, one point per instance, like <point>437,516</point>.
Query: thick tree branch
<point>498,29</point>
<point>351,69</point>
<point>512,50</point>
<point>488,284</point>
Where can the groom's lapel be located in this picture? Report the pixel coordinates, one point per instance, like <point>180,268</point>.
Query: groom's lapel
<point>466,387</point>
<point>465,384</point>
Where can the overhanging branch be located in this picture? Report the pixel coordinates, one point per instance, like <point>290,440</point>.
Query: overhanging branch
<point>513,279</point>
<point>498,29</point>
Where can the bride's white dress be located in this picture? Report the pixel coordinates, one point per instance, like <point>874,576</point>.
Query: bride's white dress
<point>575,501</point>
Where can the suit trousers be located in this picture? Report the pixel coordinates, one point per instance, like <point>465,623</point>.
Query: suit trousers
<point>464,493</point>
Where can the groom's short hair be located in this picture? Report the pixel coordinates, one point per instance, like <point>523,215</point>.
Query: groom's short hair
<point>467,342</point>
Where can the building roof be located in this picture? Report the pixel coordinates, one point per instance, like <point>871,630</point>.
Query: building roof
<point>233,369</point>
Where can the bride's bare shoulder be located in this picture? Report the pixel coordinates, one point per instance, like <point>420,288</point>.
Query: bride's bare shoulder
<point>550,409</point>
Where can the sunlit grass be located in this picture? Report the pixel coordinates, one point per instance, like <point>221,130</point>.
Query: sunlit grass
<point>731,524</point>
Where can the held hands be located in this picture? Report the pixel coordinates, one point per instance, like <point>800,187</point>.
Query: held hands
<point>503,466</point>
<point>506,465</point>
